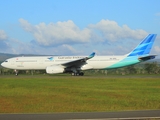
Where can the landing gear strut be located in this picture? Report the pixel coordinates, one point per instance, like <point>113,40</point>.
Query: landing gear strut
<point>16,72</point>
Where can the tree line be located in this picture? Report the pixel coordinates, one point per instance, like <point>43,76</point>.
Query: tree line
<point>144,68</point>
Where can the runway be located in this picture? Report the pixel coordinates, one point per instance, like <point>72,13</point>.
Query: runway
<point>90,115</point>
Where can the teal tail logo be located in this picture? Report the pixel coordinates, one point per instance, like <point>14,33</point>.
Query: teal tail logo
<point>50,58</point>
<point>144,47</point>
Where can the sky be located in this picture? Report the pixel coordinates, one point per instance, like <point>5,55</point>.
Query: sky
<point>77,27</point>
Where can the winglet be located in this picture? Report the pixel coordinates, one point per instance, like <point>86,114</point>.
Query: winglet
<point>91,55</point>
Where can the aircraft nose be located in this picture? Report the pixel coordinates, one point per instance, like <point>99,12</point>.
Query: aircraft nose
<point>2,64</point>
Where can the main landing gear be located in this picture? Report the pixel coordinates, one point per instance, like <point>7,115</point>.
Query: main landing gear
<point>77,73</point>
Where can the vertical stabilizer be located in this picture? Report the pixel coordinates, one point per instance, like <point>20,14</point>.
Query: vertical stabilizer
<point>144,47</point>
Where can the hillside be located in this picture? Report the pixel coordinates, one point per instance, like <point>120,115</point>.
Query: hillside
<point>4,56</point>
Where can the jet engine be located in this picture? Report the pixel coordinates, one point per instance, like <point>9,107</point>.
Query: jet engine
<point>54,69</point>
<point>86,67</point>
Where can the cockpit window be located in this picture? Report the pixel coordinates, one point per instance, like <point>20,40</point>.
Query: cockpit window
<point>6,61</point>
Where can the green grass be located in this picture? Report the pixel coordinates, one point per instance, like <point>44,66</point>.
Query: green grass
<point>36,94</point>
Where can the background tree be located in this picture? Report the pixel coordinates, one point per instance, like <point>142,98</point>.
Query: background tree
<point>131,69</point>
<point>152,68</point>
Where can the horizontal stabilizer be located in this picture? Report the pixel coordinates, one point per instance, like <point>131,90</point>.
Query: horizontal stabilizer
<point>147,57</point>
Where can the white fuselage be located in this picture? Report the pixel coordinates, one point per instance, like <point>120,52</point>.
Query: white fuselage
<point>42,62</point>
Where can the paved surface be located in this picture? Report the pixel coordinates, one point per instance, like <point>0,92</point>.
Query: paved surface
<point>90,115</point>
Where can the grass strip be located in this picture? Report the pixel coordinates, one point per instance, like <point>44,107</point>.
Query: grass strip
<point>47,94</point>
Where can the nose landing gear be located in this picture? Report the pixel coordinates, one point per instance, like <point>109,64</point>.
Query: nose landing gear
<point>16,72</point>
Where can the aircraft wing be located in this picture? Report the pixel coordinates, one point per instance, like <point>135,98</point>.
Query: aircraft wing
<point>148,57</point>
<point>78,62</point>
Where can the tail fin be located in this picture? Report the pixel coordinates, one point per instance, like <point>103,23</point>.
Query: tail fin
<point>144,47</point>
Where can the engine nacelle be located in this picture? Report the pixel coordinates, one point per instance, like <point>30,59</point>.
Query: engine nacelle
<point>54,69</point>
<point>86,67</point>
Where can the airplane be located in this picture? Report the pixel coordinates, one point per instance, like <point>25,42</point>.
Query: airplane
<point>76,64</point>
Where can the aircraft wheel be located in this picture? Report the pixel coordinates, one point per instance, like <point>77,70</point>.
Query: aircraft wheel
<point>73,74</point>
<point>81,73</point>
<point>77,74</point>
